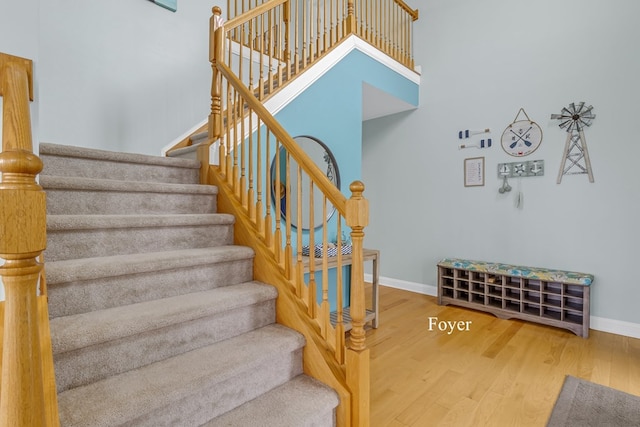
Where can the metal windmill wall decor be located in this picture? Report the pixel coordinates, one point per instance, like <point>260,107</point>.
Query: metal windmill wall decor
<point>575,159</point>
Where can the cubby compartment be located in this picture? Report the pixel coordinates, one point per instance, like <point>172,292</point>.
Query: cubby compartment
<point>447,282</point>
<point>478,287</point>
<point>447,292</point>
<point>447,272</point>
<point>529,308</point>
<point>537,295</point>
<point>462,285</point>
<point>477,298</point>
<point>512,305</point>
<point>494,302</point>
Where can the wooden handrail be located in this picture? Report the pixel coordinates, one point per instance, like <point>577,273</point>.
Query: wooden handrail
<point>244,117</point>
<point>22,240</point>
<point>252,13</point>
<point>406,8</point>
<point>335,196</point>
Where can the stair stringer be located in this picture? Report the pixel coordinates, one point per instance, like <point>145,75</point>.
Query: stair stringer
<point>318,360</point>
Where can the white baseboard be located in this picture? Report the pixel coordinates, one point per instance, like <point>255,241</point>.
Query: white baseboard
<point>618,327</point>
<point>404,285</point>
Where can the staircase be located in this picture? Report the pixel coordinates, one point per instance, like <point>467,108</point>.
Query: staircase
<point>155,317</point>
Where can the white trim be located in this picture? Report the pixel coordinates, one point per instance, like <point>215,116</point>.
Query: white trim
<point>618,327</point>
<point>281,99</point>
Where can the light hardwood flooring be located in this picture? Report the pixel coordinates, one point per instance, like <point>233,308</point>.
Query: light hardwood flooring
<point>499,373</point>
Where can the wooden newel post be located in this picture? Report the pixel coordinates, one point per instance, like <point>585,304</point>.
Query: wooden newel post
<point>350,22</point>
<point>22,240</point>
<point>357,217</point>
<point>215,55</point>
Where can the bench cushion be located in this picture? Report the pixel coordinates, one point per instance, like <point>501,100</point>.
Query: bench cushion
<point>545,274</point>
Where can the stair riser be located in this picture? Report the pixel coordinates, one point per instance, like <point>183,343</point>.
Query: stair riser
<point>74,244</point>
<point>89,364</point>
<point>205,404</point>
<point>100,169</point>
<point>71,297</point>
<point>84,202</point>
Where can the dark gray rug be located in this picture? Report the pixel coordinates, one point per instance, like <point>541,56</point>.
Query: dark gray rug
<point>585,404</point>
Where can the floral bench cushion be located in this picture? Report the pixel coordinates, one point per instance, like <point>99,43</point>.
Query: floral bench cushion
<point>545,274</point>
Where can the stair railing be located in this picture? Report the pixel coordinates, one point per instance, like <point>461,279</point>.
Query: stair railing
<point>284,37</point>
<point>27,390</point>
<point>259,164</point>
<point>278,40</point>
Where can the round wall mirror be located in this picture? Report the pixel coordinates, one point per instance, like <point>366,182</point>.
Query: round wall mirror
<point>323,158</point>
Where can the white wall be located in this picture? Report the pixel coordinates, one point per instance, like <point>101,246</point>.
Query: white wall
<point>481,62</point>
<point>122,74</point>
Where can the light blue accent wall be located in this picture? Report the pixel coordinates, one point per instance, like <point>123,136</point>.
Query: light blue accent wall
<point>331,111</point>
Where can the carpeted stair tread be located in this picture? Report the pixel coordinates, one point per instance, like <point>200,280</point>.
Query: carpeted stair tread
<point>81,285</point>
<point>301,402</point>
<point>155,317</point>
<point>120,265</point>
<point>108,196</point>
<point>51,182</point>
<point>113,156</point>
<point>91,222</point>
<point>86,329</point>
<point>89,236</point>
<point>123,398</point>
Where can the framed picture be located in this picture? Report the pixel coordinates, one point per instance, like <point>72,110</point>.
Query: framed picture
<point>474,172</point>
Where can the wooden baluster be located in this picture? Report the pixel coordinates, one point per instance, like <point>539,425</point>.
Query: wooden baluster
<point>251,41</point>
<point>230,142</point>
<point>268,231</point>
<point>312,258</point>
<point>304,34</point>
<point>243,148</point>
<point>259,203</point>
<point>300,276</point>
<point>324,307</point>
<point>339,301</point>
<point>279,48</point>
<point>271,85</point>
<point>251,191</point>
<point>325,40</point>
<point>396,32</point>
<point>296,38</point>
<point>288,250</point>
<point>261,35</point>
<point>237,101</point>
<point>287,47</point>
<point>350,23</point>
<point>277,191</point>
<point>318,29</point>
<point>357,217</point>
<point>23,231</point>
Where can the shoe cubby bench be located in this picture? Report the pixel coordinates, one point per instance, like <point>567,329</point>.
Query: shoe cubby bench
<point>550,297</point>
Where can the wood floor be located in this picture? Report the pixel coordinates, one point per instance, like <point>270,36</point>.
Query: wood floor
<point>499,373</point>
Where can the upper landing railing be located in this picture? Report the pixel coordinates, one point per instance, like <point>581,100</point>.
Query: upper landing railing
<point>284,40</point>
